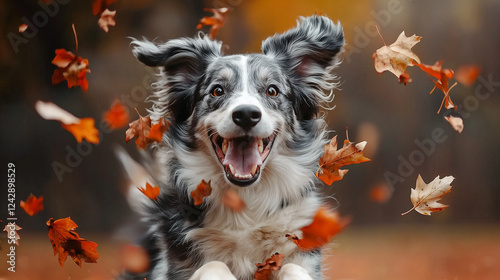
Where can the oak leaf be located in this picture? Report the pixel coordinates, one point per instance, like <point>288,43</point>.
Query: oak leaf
<point>232,200</point>
<point>216,21</point>
<point>117,116</point>
<point>11,229</point>
<point>424,196</point>
<point>265,269</point>
<point>65,241</point>
<point>72,68</point>
<point>80,128</point>
<point>396,57</point>
<point>145,132</point>
<point>333,159</point>
<point>325,225</point>
<point>107,18</point>
<point>456,122</point>
<point>32,205</point>
<point>203,190</point>
<point>150,191</point>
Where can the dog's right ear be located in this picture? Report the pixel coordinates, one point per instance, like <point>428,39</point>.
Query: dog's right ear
<point>184,61</point>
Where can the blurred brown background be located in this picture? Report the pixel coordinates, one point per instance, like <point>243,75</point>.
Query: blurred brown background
<point>390,116</point>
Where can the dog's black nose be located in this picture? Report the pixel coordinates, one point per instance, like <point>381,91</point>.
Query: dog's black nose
<point>246,116</point>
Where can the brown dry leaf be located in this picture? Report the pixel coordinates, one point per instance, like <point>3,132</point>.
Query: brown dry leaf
<point>150,191</point>
<point>424,196</point>
<point>11,229</point>
<point>265,269</point>
<point>333,159</point>
<point>203,190</point>
<point>107,18</point>
<point>467,74</point>
<point>396,57</point>
<point>232,200</point>
<point>456,122</point>
<point>216,21</point>
<point>32,205</point>
<point>325,225</point>
<point>65,241</point>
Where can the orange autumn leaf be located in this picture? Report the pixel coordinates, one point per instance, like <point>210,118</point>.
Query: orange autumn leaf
<point>65,241</point>
<point>397,56</point>
<point>330,163</point>
<point>456,122</point>
<point>150,191</point>
<point>202,190</point>
<point>467,74</point>
<point>145,132</point>
<point>325,225</point>
<point>380,193</point>
<point>232,200</point>
<point>265,269</point>
<point>11,229</point>
<point>32,205</point>
<point>80,128</point>
<point>117,116</point>
<point>216,21</point>
<point>100,5</point>
<point>71,68</point>
<point>85,129</point>
<point>107,18</point>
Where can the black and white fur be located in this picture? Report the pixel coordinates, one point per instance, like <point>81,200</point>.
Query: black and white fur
<point>212,100</point>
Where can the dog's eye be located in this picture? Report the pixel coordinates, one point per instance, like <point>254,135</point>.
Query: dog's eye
<point>272,91</point>
<point>217,91</point>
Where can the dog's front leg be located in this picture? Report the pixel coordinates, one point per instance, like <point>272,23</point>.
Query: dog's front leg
<point>213,271</point>
<point>291,271</point>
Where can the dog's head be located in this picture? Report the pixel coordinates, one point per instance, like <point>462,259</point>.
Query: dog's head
<point>244,110</point>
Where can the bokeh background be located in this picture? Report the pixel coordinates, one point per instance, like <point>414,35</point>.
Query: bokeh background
<point>462,242</point>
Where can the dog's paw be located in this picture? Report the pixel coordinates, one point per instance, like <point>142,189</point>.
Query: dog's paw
<point>292,271</point>
<point>213,271</point>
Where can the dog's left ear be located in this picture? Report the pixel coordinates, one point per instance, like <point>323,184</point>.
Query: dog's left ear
<point>309,51</point>
<point>183,62</point>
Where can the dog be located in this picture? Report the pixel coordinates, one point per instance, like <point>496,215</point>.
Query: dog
<point>249,123</point>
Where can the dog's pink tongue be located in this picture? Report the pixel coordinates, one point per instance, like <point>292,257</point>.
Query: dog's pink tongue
<point>243,155</point>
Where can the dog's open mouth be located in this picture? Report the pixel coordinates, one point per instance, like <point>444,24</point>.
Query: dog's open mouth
<point>242,157</point>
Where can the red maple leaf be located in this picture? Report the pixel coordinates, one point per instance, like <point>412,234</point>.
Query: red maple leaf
<point>71,68</point>
<point>32,205</point>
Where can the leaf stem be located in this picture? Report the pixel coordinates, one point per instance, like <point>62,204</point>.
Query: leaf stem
<point>76,38</point>
<point>378,31</point>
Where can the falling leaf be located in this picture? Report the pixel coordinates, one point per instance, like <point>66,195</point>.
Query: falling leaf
<point>11,229</point>
<point>232,200</point>
<point>456,122</point>
<point>425,196</point>
<point>150,191</point>
<point>117,116</point>
<point>442,81</point>
<point>80,128</point>
<point>216,21</point>
<point>73,69</point>
<point>333,159</point>
<point>380,193</point>
<point>203,190</point>
<point>100,5</point>
<point>265,269</point>
<point>134,259</point>
<point>396,57</point>
<point>65,241</point>
<point>32,205</point>
<point>145,132</point>
<point>325,225</point>
<point>23,27</point>
<point>467,74</point>
<point>107,18</point>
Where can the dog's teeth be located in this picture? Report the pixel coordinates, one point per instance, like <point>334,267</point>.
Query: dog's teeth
<point>254,169</point>
<point>232,169</point>
<point>260,146</point>
<point>224,146</point>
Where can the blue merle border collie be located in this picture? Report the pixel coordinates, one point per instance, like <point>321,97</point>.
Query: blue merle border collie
<point>249,123</point>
